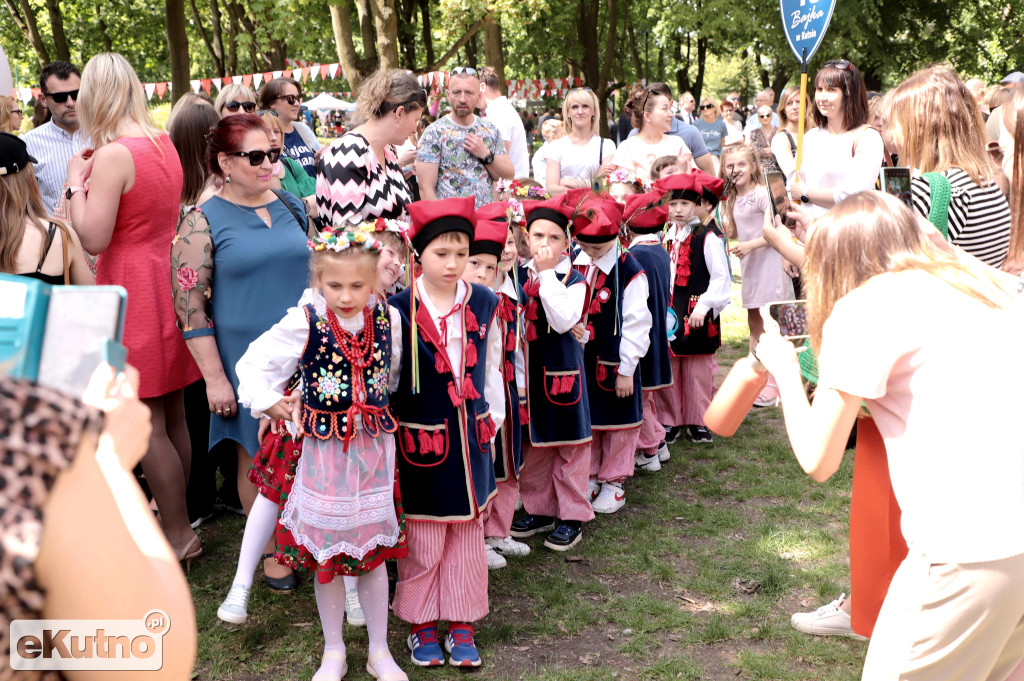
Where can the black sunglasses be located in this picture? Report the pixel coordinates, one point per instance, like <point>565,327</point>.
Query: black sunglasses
<point>61,97</point>
<point>463,70</point>
<point>764,115</point>
<point>266,111</point>
<point>256,157</point>
<point>707,106</point>
<point>292,99</point>
<point>248,107</point>
<point>840,64</point>
<point>18,111</point>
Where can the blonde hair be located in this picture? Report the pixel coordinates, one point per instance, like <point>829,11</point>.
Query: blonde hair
<point>395,240</point>
<point>318,260</point>
<point>755,174</point>
<point>790,93</point>
<point>189,99</point>
<point>936,124</point>
<point>7,107</point>
<point>232,93</point>
<point>583,97</point>
<point>872,233</point>
<point>551,126</point>
<point>1013,121</point>
<point>111,97</point>
<point>274,122</point>
<point>20,203</point>
<point>384,91</point>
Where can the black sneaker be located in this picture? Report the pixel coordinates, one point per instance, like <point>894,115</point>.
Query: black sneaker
<point>673,433</point>
<point>529,525</point>
<point>699,434</point>
<point>567,535</point>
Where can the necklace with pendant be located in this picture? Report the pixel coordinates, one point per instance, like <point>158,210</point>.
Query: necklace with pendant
<point>266,220</point>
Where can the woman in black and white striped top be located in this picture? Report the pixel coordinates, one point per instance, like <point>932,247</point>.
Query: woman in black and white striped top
<point>938,127</point>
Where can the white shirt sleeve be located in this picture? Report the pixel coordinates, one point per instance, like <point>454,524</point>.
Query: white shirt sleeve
<point>862,170</point>
<point>494,383</point>
<point>716,298</point>
<point>784,154</point>
<point>264,369</point>
<point>563,304</point>
<point>635,334</point>
<point>395,374</point>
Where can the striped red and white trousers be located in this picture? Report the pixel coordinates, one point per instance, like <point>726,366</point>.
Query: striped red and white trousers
<point>693,385</point>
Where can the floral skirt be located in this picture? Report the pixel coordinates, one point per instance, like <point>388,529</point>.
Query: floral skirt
<point>273,472</point>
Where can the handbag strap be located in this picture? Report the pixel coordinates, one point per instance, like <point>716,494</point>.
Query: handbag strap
<point>303,224</point>
<point>50,234</point>
<point>67,259</point>
<point>940,191</point>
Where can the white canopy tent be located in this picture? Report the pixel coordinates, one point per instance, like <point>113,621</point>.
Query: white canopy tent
<point>325,101</point>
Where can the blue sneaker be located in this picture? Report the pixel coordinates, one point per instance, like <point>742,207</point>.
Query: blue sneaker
<point>426,650</point>
<point>530,524</point>
<point>567,535</point>
<point>460,645</point>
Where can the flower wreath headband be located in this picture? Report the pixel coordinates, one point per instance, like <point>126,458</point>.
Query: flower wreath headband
<point>520,190</point>
<point>620,176</point>
<point>340,239</point>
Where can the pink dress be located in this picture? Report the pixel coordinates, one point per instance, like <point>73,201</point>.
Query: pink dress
<point>138,258</point>
<point>764,280</point>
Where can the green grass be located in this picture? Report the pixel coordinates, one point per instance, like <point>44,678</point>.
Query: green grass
<point>653,592</point>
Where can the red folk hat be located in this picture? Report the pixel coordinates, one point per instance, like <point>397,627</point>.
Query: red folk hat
<point>490,238</point>
<point>683,186</point>
<point>597,220</point>
<point>644,213</point>
<point>493,211</point>
<point>430,219</point>
<point>712,188</point>
<point>552,209</point>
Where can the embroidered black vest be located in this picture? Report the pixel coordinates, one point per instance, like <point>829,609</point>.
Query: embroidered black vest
<point>655,366</point>
<point>691,281</point>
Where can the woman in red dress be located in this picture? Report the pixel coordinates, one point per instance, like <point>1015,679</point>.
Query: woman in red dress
<point>127,218</point>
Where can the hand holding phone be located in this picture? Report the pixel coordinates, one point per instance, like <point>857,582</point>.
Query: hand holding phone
<point>791,318</point>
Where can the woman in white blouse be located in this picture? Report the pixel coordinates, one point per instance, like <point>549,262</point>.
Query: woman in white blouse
<point>580,157</point>
<point>842,156</point>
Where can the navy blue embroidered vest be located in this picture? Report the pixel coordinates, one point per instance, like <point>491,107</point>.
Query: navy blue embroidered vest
<point>655,366</point>
<point>444,452</point>
<point>328,382</point>
<point>692,280</point>
<point>508,451</point>
<point>556,386</point>
<point>603,312</point>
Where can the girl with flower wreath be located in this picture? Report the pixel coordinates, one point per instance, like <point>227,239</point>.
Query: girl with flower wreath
<point>342,512</point>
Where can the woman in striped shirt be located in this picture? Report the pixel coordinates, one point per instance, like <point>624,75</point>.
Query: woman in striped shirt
<point>938,127</point>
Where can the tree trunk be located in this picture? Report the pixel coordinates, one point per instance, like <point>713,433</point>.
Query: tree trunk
<point>101,24</point>
<point>681,76</point>
<point>471,51</point>
<point>406,33</point>
<point>60,40</point>
<point>470,32</point>
<point>29,28</point>
<point>240,25</point>
<point>631,35</point>
<point>366,32</point>
<point>217,37</point>
<point>218,63</point>
<point>702,56</point>
<point>428,40</point>
<point>494,53</point>
<point>177,47</point>
<point>341,22</point>
<point>232,65</point>
<point>385,19</point>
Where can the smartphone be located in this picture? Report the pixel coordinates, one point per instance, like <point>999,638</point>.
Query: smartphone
<point>896,181</point>
<point>791,316</point>
<point>775,181</point>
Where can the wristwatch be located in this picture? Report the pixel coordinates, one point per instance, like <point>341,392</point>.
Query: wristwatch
<point>488,159</point>
<point>72,190</point>
<point>804,198</point>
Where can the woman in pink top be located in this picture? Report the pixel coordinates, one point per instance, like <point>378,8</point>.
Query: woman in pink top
<point>128,219</point>
<point>652,116</point>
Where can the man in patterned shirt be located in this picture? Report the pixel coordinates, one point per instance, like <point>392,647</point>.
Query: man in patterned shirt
<point>461,154</point>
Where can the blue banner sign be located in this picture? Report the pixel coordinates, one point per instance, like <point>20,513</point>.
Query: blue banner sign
<point>805,22</point>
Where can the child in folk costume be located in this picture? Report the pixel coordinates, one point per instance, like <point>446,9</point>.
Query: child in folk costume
<point>491,257</point>
<point>556,460</point>
<point>391,274</point>
<point>615,331</point>
<point>644,218</point>
<point>450,405</point>
<point>700,291</point>
<point>342,509</point>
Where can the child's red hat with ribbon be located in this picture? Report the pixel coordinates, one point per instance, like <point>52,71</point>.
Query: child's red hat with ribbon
<point>430,219</point>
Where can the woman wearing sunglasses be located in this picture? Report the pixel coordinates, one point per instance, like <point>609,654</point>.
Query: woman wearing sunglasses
<point>712,128</point>
<point>11,114</point>
<point>126,217</point>
<point>235,99</point>
<point>842,155</point>
<point>254,240</point>
<point>761,137</point>
<point>581,156</point>
<point>284,95</point>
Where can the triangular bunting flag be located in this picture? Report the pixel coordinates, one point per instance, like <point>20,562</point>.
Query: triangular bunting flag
<point>247,80</point>
<point>257,80</point>
<point>205,82</point>
<point>333,69</point>
<point>150,89</point>
<point>161,90</point>
<point>276,74</point>
<point>305,73</point>
<point>324,68</point>
<point>195,86</point>
<point>219,82</point>
<point>314,72</point>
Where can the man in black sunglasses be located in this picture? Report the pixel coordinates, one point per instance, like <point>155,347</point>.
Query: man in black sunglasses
<point>55,142</point>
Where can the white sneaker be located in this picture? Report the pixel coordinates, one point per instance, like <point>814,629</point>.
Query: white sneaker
<point>828,620</point>
<point>495,561</point>
<point>353,609</point>
<point>768,397</point>
<point>519,503</point>
<point>507,546</point>
<point>663,453</point>
<point>593,489</point>
<point>650,463</point>
<point>611,498</point>
<point>234,609</point>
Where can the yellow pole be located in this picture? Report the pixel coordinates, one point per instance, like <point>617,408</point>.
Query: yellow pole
<point>803,118</point>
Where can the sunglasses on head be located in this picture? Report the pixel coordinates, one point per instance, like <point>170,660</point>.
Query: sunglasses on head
<point>463,70</point>
<point>707,106</point>
<point>256,157</point>
<point>840,64</point>
<point>292,99</point>
<point>262,112</point>
<point>61,97</point>
<point>248,107</point>
<point>580,89</point>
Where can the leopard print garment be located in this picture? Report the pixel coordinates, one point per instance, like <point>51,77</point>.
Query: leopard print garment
<point>40,430</point>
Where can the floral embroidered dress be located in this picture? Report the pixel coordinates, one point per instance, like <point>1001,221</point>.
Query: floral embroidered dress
<point>342,509</point>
